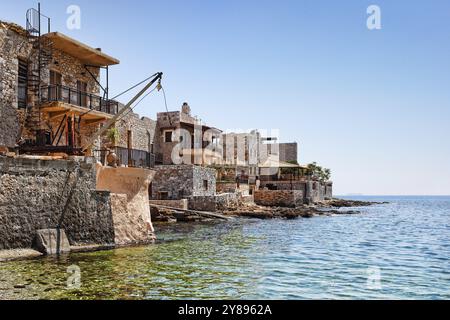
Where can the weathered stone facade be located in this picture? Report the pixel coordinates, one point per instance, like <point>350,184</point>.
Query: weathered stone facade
<point>223,201</point>
<point>93,204</point>
<point>193,139</point>
<point>179,204</point>
<point>313,191</point>
<point>183,181</point>
<point>141,129</point>
<point>226,187</point>
<point>13,46</point>
<point>130,206</point>
<point>23,123</point>
<point>34,193</point>
<point>279,198</point>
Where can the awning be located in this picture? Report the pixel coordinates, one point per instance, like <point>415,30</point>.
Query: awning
<point>273,162</point>
<point>81,51</point>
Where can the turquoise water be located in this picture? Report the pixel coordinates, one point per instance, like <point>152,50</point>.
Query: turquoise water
<point>399,250</point>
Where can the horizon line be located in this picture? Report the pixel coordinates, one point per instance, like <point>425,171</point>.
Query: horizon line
<point>392,195</point>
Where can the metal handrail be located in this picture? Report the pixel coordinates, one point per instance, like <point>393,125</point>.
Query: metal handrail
<point>33,23</point>
<point>128,157</point>
<point>57,92</point>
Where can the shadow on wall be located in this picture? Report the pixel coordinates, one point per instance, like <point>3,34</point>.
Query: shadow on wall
<point>9,125</point>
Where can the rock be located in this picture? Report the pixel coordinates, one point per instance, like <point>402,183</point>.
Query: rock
<point>47,239</point>
<point>256,214</point>
<point>188,218</point>
<point>341,203</point>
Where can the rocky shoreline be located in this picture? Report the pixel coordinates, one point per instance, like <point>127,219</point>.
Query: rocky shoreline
<point>326,208</point>
<point>251,210</point>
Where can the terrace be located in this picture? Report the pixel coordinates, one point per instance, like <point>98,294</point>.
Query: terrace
<point>57,97</point>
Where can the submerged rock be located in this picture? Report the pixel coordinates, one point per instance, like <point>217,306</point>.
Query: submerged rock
<point>52,241</point>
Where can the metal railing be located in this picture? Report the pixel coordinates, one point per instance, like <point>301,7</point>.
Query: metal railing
<point>79,98</point>
<point>284,177</point>
<point>128,157</point>
<point>34,22</point>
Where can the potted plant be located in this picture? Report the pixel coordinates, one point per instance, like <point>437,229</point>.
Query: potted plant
<point>113,136</point>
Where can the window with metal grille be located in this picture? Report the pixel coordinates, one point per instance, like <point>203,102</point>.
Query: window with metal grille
<point>22,92</point>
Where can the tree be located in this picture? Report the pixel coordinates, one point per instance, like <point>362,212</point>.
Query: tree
<point>318,172</point>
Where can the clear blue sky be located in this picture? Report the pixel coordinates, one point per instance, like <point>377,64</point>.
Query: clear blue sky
<point>374,106</point>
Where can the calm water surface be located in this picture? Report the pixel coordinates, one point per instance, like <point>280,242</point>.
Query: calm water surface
<point>399,250</point>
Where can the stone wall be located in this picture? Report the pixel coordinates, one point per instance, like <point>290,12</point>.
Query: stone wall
<point>214,203</point>
<point>130,206</point>
<point>328,191</point>
<point>200,175</point>
<point>72,70</point>
<point>13,45</point>
<point>179,204</point>
<point>34,193</point>
<point>279,198</point>
<point>225,201</point>
<point>165,121</point>
<point>203,203</point>
<point>314,191</point>
<point>183,181</point>
<point>284,185</point>
<point>143,131</point>
<point>226,187</point>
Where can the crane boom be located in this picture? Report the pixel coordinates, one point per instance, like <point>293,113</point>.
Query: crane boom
<point>127,107</point>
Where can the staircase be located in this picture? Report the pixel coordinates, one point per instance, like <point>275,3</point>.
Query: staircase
<point>39,60</point>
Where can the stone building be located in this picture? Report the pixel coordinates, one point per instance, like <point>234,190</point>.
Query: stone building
<point>183,139</point>
<point>174,182</point>
<point>51,99</point>
<point>51,103</point>
<point>135,144</point>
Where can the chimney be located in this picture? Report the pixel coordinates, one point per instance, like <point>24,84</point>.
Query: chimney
<point>186,109</point>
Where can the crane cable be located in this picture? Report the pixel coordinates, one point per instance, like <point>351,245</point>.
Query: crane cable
<point>131,88</point>
<point>137,103</point>
<point>145,96</point>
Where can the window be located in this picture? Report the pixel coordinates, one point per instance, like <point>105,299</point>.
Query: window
<point>23,84</point>
<point>82,93</point>
<point>55,85</point>
<point>168,136</point>
<point>55,78</point>
<point>205,184</point>
<point>130,147</point>
<point>163,195</point>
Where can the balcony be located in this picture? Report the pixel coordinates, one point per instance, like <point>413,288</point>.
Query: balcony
<point>128,157</point>
<point>72,97</point>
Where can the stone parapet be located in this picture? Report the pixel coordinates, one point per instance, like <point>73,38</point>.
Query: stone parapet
<point>42,194</point>
<point>279,198</point>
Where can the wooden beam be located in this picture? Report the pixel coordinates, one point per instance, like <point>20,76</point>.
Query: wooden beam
<point>56,114</point>
<point>93,121</point>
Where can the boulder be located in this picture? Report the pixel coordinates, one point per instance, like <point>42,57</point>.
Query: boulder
<point>47,241</point>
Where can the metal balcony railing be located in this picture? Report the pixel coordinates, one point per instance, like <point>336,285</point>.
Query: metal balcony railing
<point>128,157</point>
<point>78,98</point>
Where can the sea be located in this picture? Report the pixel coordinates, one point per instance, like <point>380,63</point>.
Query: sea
<point>395,250</point>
